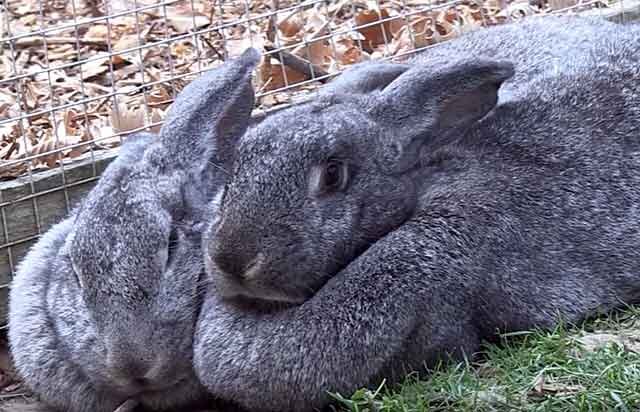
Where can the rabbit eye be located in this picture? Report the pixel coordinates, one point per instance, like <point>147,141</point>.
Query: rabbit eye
<point>333,177</point>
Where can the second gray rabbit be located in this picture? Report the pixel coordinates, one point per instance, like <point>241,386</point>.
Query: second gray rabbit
<point>103,308</point>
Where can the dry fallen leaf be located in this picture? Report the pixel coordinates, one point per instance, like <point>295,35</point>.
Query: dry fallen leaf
<point>184,19</point>
<point>291,26</point>
<point>99,64</point>
<point>124,119</point>
<point>517,10</point>
<point>3,19</point>
<point>159,96</point>
<point>97,31</point>
<point>30,94</point>
<point>236,46</point>
<point>43,149</point>
<point>348,52</point>
<point>591,342</point>
<point>562,4</point>
<point>128,41</point>
<point>318,52</point>
<point>543,388</point>
<point>376,34</point>
<point>301,28</point>
<point>273,75</point>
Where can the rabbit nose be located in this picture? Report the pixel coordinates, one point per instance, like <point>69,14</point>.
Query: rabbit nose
<point>236,264</point>
<point>138,378</point>
<point>134,371</point>
<point>141,382</point>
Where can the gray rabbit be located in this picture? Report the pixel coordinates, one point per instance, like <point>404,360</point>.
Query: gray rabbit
<point>104,306</point>
<point>392,222</point>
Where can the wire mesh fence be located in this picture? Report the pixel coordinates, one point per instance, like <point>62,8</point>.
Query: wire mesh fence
<point>75,76</point>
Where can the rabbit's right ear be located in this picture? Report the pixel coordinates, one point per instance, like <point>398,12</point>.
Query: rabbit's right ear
<point>422,106</point>
<point>363,78</point>
<point>211,112</point>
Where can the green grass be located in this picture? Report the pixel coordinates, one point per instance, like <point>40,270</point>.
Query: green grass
<point>592,368</point>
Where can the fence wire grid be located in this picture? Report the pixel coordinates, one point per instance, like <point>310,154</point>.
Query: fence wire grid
<point>75,76</point>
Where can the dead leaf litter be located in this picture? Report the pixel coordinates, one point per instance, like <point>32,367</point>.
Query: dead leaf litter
<point>105,69</point>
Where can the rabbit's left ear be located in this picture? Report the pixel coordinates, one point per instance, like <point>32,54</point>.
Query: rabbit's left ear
<point>421,106</point>
<point>211,113</point>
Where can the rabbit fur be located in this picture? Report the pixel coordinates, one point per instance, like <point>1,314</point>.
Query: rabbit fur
<point>369,232</point>
<point>103,308</point>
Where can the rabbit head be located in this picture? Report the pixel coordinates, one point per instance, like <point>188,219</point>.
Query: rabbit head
<point>313,186</point>
<point>135,246</point>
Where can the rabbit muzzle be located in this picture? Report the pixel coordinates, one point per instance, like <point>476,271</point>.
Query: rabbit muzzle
<point>232,278</point>
<point>237,263</point>
<point>138,386</point>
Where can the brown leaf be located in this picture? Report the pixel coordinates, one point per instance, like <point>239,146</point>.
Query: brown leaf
<point>7,100</point>
<point>316,23</point>
<point>46,145</point>
<point>424,26</point>
<point>291,26</point>
<point>348,52</point>
<point>518,10</point>
<point>375,34</point>
<point>235,47</point>
<point>106,135</point>
<point>12,171</point>
<point>275,99</point>
<point>77,151</point>
<point>129,41</point>
<point>14,387</point>
<point>3,19</point>
<point>69,122</point>
<point>562,4</point>
<point>470,12</point>
<point>6,380</point>
<point>97,31</point>
<point>181,49</point>
<point>30,94</point>
<point>184,19</point>
<point>318,52</point>
<point>274,75</point>
<point>543,388</point>
<point>396,23</point>
<point>56,76</point>
<point>124,120</point>
<point>7,372</point>
<point>157,115</point>
<point>159,96</point>
<point>591,342</point>
<point>446,26</point>
<point>93,68</point>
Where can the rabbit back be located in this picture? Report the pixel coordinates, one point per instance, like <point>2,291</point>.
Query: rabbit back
<point>538,46</point>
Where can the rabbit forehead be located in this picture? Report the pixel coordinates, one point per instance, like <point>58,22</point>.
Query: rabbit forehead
<point>121,252</point>
<point>303,136</point>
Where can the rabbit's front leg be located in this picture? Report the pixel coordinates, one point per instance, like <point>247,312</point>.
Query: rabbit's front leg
<point>391,309</point>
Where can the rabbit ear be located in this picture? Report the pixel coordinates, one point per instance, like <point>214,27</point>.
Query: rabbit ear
<point>420,107</point>
<point>364,78</point>
<point>211,112</point>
